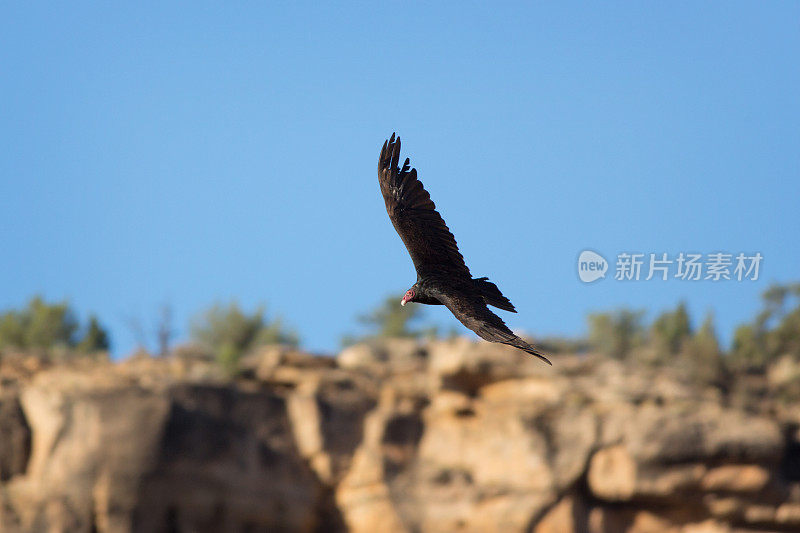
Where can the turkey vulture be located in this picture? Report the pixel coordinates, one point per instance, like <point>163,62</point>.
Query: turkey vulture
<point>442,276</point>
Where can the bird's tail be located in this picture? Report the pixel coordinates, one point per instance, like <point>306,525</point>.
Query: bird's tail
<point>492,295</point>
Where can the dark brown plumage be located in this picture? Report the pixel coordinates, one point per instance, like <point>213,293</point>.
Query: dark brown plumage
<point>442,276</point>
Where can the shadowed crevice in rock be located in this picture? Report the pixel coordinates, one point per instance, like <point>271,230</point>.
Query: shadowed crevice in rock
<point>15,436</point>
<point>400,439</point>
<point>330,516</point>
<point>342,405</point>
<point>468,381</point>
<point>790,464</point>
<point>227,462</point>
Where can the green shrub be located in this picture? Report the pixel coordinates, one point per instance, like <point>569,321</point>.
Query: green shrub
<point>43,327</point>
<point>12,330</point>
<point>702,354</point>
<point>392,320</point>
<point>775,332</point>
<point>670,330</point>
<point>229,332</point>
<point>747,350</point>
<point>95,339</point>
<point>617,333</point>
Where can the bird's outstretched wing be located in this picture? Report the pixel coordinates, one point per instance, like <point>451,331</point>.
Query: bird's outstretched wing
<point>471,310</point>
<point>430,244</point>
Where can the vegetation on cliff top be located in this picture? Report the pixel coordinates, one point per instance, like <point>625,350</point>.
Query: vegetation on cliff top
<point>226,332</point>
<point>50,328</point>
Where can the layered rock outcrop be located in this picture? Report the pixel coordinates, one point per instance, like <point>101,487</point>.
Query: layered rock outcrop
<point>396,436</point>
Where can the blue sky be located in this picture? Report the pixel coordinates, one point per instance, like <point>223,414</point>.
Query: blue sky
<point>187,154</point>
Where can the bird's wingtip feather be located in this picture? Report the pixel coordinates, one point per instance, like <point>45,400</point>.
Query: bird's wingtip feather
<point>533,351</point>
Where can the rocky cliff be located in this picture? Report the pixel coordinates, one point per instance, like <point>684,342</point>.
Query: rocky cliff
<point>397,436</point>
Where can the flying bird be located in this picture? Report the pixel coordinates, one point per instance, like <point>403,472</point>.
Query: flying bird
<point>442,276</point>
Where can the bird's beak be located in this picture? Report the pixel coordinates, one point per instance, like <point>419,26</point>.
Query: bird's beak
<point>403,301</point>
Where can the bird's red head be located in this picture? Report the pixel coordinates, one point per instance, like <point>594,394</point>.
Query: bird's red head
<point>407,297</point>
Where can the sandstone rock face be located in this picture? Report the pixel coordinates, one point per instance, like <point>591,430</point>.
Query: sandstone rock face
<point>391,436</point>
<point>111,455</point>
